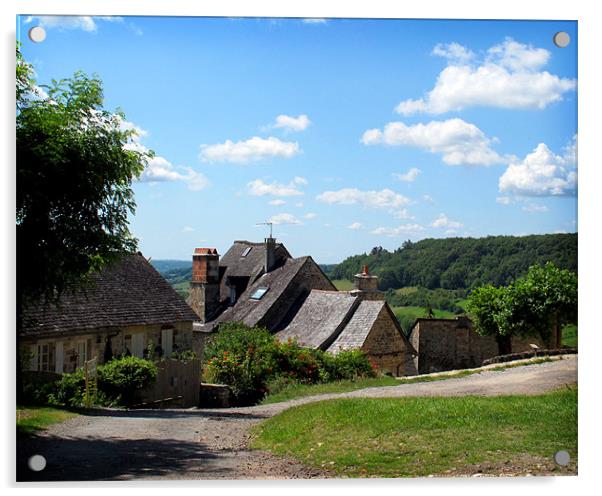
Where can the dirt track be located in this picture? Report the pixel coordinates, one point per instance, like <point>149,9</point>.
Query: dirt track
<point>212,444</point>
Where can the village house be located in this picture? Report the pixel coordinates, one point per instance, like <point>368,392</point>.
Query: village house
<point>261,284</point>
<point>450,344</point>
<point>127,308</point>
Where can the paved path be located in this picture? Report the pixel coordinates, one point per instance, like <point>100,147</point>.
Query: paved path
<point>212,444</point>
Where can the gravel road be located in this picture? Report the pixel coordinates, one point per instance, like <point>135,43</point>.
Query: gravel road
<point>213,443</point>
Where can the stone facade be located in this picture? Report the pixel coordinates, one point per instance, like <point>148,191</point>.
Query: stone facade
<point>449,344</point>
<point>386,348</point>
<point>204,295</point>
<point>64,354</point>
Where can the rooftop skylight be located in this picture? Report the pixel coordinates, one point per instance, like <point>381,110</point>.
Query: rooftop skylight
<point>259,292</point>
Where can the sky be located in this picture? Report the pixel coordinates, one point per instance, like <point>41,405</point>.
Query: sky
<point>345,134</point>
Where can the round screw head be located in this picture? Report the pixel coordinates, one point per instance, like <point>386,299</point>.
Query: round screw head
<point>37,463</point>
<point>37,34</point>
<point>562,39</point>
<point>562,458</point>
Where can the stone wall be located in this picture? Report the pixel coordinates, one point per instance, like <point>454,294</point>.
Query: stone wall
<point>93,343</point>
<point>176,380</point>
<point>449,344</point>
<point>386,348</point>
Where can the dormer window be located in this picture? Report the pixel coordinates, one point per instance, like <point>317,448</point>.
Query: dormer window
<point>259,292</point>
<point>247,251</point>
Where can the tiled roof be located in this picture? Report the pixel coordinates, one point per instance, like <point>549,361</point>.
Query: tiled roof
<point>251,266</point>
<point>250,311</point>
<point>322,317</point>
<point>356,331</point>
<point>127,292</point>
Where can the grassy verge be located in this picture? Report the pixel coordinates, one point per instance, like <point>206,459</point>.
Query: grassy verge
<point>406,316</point>
<point>33,419</point>
<point>293,391</point>
<point>408,437</point>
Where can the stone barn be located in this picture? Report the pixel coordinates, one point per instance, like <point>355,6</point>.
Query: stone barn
<point>449,344</point>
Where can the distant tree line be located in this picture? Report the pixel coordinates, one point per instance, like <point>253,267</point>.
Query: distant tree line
<point>461,263</point>
<point>443,299</point>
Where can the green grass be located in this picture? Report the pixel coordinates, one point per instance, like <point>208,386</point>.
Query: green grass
<point>301,390</point>
<point>569,336</point>
<point>408,437</point>
<point>33,419</point>
<point>343,284</point>
<point>182,288</point>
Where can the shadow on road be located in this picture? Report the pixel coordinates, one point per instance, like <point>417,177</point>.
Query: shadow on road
<point>77,458</point>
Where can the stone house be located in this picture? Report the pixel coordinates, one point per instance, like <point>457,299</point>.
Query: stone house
<point>261,284</point>
<point>334,321</point>
<point>257,284</point>
<point>127,307</point>
<point>449,344</point>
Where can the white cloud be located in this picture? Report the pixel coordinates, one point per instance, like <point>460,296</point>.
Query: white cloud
<point>444,221</point>
<point>85,23</point>
<point>289,123</point>
<point>314,20</point>
<point>260,188</point>
<point>535,208</point>
<point>454,52</point>
<point>409,176</point>
<point>542,173</point>
<point>277,203</point>
<point>310,215</point>
<point>403,214</point>
<point>300,181</point>
<point>503,200</point>
<point>510,75</point>
<point>428,199</point>
<point>355,226</point>
<point>460,142</point>
<point>159,169</point>
<point>187,229</point>
<point>403,230</point>
<point>251,150</point>
<point>284,219</point>
<point>372,199</point>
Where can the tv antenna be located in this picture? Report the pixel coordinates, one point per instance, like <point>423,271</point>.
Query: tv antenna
<point>266,224</point>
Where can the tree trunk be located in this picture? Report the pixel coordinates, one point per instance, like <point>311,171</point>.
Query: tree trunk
<point>557,333</point>
<point>504,344</point>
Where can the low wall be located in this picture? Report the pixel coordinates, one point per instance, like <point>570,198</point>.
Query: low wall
<point>215,396</point>
<point>529,354</point>
<point>177,381</point>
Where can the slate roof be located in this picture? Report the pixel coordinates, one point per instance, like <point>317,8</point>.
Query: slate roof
<point>356,331</point>
<point>127,292</point>
<point>233,264</point>
<point>322,317</point>
<point>251,312</point>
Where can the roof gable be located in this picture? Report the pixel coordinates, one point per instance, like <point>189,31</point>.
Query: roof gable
<point>127,292</point>
<point>356,331</point>
<point>321,318</point>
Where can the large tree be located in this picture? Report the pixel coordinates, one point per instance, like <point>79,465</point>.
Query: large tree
<point>484,306</point>
<point>74,176</point>
<point>541,303</point>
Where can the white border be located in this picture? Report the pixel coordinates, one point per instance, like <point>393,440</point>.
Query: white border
<point>590,83</point>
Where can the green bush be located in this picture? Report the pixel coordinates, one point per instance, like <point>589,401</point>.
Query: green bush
<point>69,390</point>
<point>252,362</point>
<point>120,378</point>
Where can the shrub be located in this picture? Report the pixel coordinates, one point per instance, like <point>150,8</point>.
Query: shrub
<point>243,358</point>
<point>252,362</point>
<point>69,390</point>
<point>120,378</point>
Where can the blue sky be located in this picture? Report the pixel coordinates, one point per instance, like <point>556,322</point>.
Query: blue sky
<point>347,134</point>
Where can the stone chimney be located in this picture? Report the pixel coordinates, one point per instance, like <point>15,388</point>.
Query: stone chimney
<point>204,286</point>
<point>366,286</point>
<point>270,254</point>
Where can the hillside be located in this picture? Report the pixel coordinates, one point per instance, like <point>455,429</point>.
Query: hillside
<point>461,263</point>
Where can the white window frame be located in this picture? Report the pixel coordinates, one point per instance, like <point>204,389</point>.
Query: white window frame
<point>81,357</point>
<point>138,340</point>
<point>59,358</point>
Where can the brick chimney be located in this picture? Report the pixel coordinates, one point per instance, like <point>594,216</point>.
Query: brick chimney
<point>366,286</point>
<point>204,286</point>
<point>270,254</point>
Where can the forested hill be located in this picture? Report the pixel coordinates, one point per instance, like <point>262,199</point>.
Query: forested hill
<point>461,263</point>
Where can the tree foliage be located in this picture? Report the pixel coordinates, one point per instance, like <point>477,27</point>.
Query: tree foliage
<point>461,263</point>
<point>74,175</point>
<point>538,304</point>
